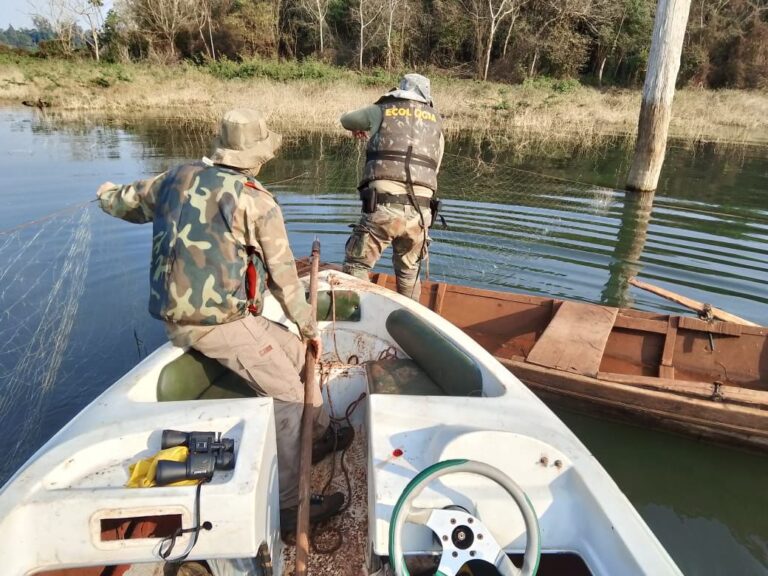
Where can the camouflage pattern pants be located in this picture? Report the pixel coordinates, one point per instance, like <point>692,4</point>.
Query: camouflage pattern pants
<point>270,358</point>
<point>396,224</point>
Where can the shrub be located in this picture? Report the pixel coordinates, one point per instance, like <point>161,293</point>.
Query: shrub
<point>273,69</point>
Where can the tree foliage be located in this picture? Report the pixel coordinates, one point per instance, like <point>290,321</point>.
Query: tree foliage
<point>597,41</point>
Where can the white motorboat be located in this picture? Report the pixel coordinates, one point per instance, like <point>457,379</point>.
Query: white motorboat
<point>455,463</point>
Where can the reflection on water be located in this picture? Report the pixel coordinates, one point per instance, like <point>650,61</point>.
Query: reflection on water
<point>569,234</point>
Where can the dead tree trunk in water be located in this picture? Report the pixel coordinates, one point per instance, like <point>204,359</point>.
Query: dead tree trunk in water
<point>658,91</point>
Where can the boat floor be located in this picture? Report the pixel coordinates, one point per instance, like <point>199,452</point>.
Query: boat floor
<point>338,547</point>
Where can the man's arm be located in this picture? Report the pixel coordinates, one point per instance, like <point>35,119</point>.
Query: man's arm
<point>283,281</point>
<point>132,202</point>
<point>367,119</point>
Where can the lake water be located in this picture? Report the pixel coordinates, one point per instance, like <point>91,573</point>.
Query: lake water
<point>73,287</point>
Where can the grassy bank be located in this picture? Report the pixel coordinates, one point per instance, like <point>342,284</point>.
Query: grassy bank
<point>312,95</point>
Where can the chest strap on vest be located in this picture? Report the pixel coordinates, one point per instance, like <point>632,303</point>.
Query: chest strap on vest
<point>385,198</point>
<point>397,156</point>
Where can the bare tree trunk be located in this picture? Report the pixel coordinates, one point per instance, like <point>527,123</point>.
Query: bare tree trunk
<point>509,35</point>
<point>600,71</point>
<point>210,37</point>
<point>488,49</point>
<point>362,28</point>
<point>320,24</point>
<point>389,34</point>
<point>533,63</point>
<point>658,92</point>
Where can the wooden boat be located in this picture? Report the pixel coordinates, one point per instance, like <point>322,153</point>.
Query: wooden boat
<point>708,379</point>
<point>454,461</point>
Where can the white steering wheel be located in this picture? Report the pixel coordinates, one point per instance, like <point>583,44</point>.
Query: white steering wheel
<point>464,537</point>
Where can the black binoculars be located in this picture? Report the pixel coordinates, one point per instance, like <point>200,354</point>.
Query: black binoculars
<point>207,452</point>
<point>197,441</point>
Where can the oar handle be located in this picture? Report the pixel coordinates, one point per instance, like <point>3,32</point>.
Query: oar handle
<point>305,462</point>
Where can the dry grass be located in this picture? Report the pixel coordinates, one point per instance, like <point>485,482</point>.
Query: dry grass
<point>543,111</point>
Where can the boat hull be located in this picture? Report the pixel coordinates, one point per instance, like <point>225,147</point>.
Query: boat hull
<point>707,380</point>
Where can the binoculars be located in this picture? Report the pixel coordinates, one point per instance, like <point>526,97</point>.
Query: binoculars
<point>208,452</point>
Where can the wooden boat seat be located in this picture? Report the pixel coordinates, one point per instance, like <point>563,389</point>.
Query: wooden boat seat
<point>193,376</point>
<point>575,339</point>
<point>436,367</point>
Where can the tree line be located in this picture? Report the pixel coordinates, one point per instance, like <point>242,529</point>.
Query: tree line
<point>599,41</point>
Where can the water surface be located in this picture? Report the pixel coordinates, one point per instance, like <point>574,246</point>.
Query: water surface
<point>73,288</point>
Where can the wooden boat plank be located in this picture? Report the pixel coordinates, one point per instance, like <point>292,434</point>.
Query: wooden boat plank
<point>714,327</point>
<point>642,324</point>
<point>575,339</point>
<point>708,390</point>
<point>747,425</point>
<point>667,369</point>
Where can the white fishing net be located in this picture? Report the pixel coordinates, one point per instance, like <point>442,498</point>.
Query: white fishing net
<point>43,268</point>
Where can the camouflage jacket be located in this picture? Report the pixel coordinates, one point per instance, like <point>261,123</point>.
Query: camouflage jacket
<point>206,219</point>
<point>407,146</point>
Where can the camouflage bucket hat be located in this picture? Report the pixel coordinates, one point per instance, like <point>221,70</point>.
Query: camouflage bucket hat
<point>244,141</point>
<point>413,87</point>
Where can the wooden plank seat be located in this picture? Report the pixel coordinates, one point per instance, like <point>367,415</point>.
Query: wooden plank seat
<point>575,339</point>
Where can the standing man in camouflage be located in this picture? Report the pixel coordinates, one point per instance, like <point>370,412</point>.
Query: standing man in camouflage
<point>218,242</point>
<point>399,181</point>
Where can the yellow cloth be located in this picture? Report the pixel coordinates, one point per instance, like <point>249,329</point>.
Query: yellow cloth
<point>143,471</point>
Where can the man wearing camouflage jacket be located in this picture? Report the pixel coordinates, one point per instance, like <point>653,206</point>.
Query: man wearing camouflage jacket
<point>403,156</point>
<point>219,241</point>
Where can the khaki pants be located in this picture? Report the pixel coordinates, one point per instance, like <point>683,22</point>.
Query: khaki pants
<point>396,224</point>
<point>271,359</point>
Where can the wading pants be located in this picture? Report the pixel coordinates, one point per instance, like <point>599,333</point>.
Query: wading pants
<point>270,358</point>
<point>396,224</point>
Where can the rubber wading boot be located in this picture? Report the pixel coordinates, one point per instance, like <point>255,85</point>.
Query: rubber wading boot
<point>320,508</point>
<point>335,438</point>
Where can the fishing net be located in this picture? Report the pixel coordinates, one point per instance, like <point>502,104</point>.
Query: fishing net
<point>43,270</point>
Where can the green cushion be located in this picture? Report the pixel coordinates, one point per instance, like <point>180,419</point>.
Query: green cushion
<point>346,304</point>
<point>400,376</point>
<point>452,369</point>
<point>193,376</point>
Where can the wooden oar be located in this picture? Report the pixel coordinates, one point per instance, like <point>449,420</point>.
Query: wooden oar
<point>305,462</point>
<point>690,303</point>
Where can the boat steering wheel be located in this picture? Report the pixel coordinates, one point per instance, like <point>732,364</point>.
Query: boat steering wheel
<point>464,537</point>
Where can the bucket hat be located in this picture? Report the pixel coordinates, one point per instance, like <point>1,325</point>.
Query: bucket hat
<point>244,141</point>
<point>413,87</point>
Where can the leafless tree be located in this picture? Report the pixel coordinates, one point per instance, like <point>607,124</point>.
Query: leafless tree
<point>367,13</point>
<point>90,11</point>
<point>317,11</point>
<point>394,12</point>
<point>163,18</point>
<point>61,19</point>
<point>203,20</point>
<point>487,16</point>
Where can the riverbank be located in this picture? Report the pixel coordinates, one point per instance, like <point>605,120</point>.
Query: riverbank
<point>311,96</point>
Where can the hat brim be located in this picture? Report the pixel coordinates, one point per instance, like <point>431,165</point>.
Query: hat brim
<point>406,95</point>
<point>257,155</point>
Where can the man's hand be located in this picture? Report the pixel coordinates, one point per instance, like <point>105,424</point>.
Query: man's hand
<point>317,346</point>
<point>360,134</point>
<point>104,187</point>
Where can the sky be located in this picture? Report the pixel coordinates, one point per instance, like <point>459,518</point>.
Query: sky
<point>17,12</point>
